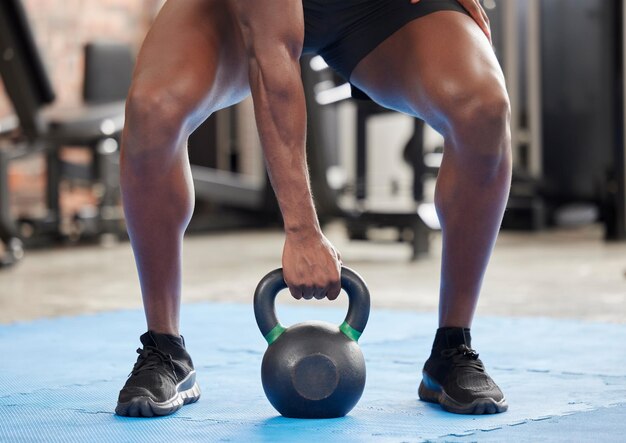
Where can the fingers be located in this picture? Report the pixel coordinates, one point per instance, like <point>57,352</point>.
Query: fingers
<point>319,293</point>
<point>333,290</point>
<point>307,292</point>
<point>486,23</point>
<point>311,268</point>
<point>295,291</point>
<point>334,287</point>
<point>479,15</point>
<point>330,291</point>
<point>310,292</point>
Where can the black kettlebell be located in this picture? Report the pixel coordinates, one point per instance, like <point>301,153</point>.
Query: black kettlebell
<point>313,369</point>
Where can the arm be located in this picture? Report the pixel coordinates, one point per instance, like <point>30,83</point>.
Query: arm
<point>273,32</point>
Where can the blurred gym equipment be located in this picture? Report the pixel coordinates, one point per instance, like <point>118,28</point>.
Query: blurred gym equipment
<point>340,192</point>
<point>564,65</point>
<point>37,128</point>
<point>228,172</point>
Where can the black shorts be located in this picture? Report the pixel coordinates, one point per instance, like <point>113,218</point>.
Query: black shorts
<point>344,31</point>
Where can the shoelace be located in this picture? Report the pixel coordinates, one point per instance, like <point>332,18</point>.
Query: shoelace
<point>464,356</point>
<point>152,358</point>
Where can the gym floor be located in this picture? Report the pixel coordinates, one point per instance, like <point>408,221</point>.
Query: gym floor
<point>569,273</point>
<point>71,319</point>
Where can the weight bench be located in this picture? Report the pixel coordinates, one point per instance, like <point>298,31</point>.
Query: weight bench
<point>38,128</point>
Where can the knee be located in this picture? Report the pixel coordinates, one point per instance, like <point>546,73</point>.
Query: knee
<point>155,120</point>
<point>478,133</point>
<point>479,122</point>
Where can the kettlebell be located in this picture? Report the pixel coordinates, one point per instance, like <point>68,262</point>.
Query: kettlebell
<point>312,369</point>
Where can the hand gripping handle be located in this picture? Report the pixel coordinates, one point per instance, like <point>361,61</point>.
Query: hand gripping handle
<point>270,285</point>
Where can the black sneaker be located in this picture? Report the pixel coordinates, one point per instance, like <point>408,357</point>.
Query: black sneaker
<point>162,380</point>
<point>455,378</point>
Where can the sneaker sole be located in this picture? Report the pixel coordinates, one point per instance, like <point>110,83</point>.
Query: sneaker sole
<point>187,391</point>
<point>430,391</point>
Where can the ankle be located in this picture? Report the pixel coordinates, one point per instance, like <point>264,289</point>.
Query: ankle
<point>165,331</point>
<point>451,337</point>
<point>165,328</point>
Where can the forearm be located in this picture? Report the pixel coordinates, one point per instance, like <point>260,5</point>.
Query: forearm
<point>281,119</point>
<point>273,33</point>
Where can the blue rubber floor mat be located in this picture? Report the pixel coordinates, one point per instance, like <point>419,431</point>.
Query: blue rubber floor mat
<point>59,380</point>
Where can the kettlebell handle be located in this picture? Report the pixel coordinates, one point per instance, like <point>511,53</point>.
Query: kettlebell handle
<point>270,285</point>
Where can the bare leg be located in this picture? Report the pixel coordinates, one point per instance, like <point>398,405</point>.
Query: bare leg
<point>191,64</point>
<point>441,68</point>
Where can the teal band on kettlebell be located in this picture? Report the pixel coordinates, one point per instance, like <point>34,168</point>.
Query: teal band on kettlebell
<point>276,332</point>
<point>349,331</point>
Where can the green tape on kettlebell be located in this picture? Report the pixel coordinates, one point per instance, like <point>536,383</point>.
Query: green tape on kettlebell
<point>349,331</point>
<point>276,332</point>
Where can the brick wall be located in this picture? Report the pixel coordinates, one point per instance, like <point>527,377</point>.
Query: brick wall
<point>62,27</point>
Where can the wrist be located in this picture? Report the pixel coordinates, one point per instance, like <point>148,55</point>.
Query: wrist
<point>300,220</point>
<point>303,231</point>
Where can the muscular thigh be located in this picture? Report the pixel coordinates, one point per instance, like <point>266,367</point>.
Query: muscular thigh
<point>193,55</point>
<point>432,67</point>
